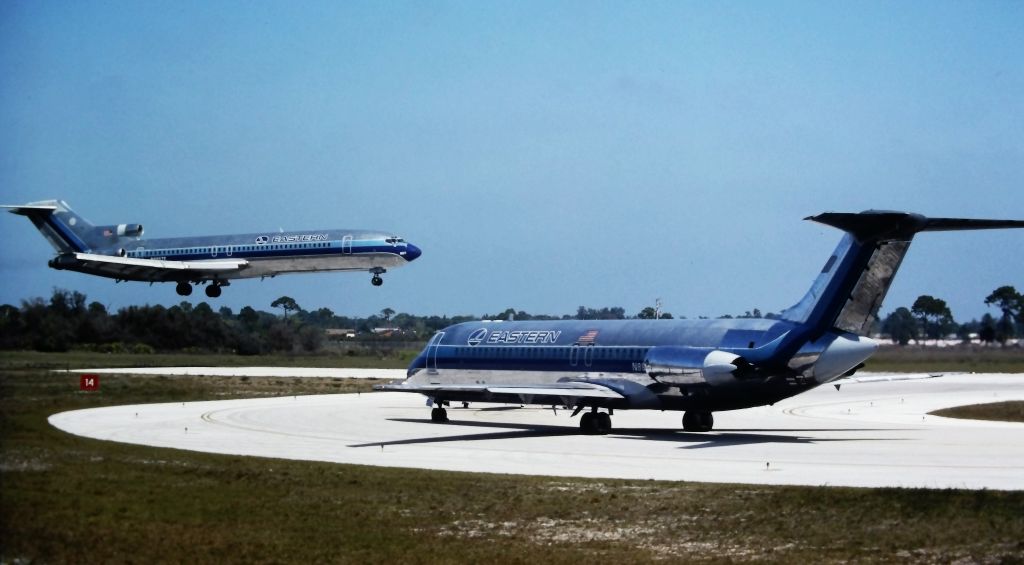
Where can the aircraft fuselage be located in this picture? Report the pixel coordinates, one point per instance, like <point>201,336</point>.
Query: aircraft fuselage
<point>641,359</point>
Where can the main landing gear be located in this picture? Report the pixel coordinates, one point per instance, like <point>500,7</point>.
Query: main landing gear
<point>596,423</point>
<point>439,415</point>
<point>698,421</point>
<point>213,291</point>
<point>377,272</point>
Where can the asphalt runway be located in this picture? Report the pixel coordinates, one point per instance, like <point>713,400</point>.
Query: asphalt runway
<point>871,434</point>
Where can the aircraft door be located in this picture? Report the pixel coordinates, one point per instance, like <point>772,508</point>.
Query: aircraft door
<point>588,355</point>
<point>346,245</point>
<point>574,355</point>
<point>432,353</point>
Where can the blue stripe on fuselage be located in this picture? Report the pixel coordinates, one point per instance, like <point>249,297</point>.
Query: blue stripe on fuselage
<point>244,247</point>
<point>539,358</point>
<point>592,346</point>
<point>730,333</point>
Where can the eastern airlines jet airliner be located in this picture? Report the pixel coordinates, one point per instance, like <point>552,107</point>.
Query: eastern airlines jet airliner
<point>120,253</point>
<point>695,366</point>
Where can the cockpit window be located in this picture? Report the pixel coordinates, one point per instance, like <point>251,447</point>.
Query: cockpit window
<point>393,240</point>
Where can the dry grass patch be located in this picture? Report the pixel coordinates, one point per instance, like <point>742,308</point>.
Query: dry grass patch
<point>961,358</point>
<point>1010,411</point>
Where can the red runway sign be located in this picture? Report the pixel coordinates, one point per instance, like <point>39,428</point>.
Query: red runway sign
<point>89,383</point>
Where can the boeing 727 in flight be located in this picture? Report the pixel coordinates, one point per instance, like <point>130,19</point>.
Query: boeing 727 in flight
<point>695,366</point>
<point>119,252</point>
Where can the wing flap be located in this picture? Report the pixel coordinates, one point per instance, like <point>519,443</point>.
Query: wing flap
<point>563,390</point>
<point>596,392</point>
<point>130,268</point>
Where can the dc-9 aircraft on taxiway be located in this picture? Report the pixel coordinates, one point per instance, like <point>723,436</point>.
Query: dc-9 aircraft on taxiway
<point>695,366</point>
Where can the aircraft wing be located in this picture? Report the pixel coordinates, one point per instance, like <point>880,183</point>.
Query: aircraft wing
<point>152,270</point>
<point>887,378</point>
<point>558,393</point>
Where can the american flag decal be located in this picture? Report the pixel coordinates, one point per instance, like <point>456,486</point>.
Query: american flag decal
<point>588,338</point>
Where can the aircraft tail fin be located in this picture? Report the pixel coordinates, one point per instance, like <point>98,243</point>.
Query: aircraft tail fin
<point>66,231</point>
<point>850,289</point>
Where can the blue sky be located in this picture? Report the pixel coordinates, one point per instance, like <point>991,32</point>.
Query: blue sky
<point>544,155</point>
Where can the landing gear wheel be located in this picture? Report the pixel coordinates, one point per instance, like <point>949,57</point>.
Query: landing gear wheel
<point>587,423</point>
<point>698,421</point>
<point>184,289</point>
<point>596,423</point>
<point>213,291</point>
<point>439,415</point>
<point>376,281</point>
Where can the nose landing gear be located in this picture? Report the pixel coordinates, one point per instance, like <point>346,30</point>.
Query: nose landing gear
<point>377,272</point>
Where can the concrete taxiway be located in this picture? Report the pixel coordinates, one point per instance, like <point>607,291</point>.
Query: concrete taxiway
<point>870,434</point>
<point>287,372</point>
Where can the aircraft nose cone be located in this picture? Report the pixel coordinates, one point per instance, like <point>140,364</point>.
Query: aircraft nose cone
<point>412,252</point>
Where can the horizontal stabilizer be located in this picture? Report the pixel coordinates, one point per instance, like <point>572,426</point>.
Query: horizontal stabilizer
<point>28,209</point>
<point>875,225</point>
<point>953,224</point>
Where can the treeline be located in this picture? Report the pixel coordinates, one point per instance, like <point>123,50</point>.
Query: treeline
<point>69,321</point>
<point>930,318</point>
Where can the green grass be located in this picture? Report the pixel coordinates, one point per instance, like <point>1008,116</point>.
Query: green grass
<point>70,499</point>
<point>92,360</point>
<point>977,359</point>
<point>1010,411</point>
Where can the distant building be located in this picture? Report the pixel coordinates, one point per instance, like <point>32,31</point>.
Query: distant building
<point>334,334</point>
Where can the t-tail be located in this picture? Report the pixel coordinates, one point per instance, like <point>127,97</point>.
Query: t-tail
<point>68,232</point>
<point>849,291</point>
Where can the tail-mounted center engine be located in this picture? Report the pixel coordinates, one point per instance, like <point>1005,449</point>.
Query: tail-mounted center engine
<point>672,364</point>
<point>120,230</point>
